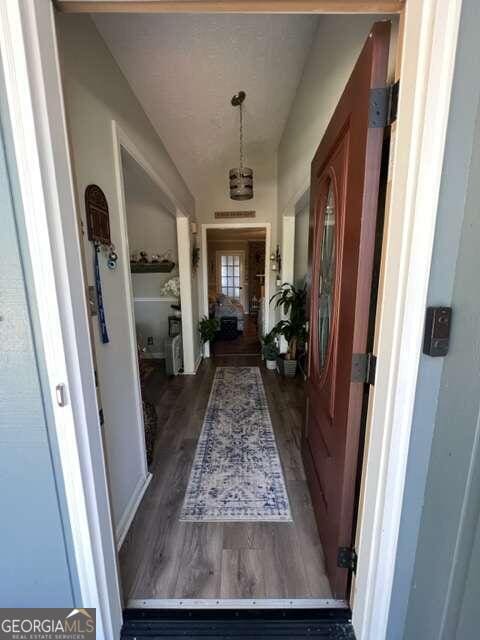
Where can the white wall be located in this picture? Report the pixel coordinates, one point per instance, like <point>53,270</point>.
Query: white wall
<point>95,93</point>
<point>336,46</point>
<point>300,264</point>
<point>216,197</point>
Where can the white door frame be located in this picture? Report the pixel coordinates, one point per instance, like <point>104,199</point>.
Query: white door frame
<point>35,103</point>
<point>122,140</point>
<point>204,249</point>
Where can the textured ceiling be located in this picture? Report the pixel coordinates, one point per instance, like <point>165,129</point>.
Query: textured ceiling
<point>184,70</point>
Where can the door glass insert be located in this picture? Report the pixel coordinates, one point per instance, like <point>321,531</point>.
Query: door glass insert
<point>230,276</point>
<point>326,279</point>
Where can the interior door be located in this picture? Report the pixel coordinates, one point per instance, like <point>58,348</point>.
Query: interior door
<point>231,275</point>
<point>344,196</point>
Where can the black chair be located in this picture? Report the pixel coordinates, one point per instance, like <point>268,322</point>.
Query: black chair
<point>228,328</point>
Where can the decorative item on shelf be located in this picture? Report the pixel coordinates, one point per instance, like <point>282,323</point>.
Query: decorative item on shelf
<point>276,260</point>
<point>166,256</point>
<point>240,178</point>
<point>292,301</point>
<point>158,262</point>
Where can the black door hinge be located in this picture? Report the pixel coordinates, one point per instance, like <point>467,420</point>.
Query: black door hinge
<point>364,366</point>
<point>383,106</point>
<point>347,558</point>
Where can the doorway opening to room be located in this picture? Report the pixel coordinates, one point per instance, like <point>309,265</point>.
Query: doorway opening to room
<point>250,500</point>
<point>237,260</point>
<point>150,236</point>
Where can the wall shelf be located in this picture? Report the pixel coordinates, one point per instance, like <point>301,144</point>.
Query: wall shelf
<point>151,267</point>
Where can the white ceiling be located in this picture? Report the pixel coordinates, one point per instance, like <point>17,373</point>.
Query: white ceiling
<point>184,70</point>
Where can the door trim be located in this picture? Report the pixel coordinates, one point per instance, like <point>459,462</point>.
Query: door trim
<point>229,6</point>
<point>203,252</point>
<point>122,141</point>
<point>417,152</point>
<point>35,103</point>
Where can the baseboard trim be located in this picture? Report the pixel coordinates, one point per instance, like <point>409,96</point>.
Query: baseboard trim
<point>131,509</point>
<point>198,362</point>
<point>195,368</point>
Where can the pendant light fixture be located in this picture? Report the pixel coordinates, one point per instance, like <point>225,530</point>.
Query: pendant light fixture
<point>241,178</point>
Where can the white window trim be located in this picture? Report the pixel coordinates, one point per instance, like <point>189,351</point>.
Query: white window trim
<point>30,65</point>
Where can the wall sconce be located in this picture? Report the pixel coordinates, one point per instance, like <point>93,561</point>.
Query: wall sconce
<point>276,260</point>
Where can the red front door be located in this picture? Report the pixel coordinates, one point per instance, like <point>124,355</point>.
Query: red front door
<point>344,197</point>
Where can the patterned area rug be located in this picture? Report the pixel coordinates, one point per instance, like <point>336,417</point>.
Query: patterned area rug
<point>236,473</point>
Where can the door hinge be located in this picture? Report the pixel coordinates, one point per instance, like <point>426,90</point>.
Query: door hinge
<point>347,558</point>
<point>364,366</point>
<point>383,106</point>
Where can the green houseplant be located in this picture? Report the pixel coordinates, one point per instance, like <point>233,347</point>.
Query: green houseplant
<point>292,301</point>
<point>208,328</point>
<point>270,350</point>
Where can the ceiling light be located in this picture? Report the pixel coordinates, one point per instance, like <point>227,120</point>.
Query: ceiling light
<point>241,178</point>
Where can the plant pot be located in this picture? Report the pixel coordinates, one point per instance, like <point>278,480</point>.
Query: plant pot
<point>271,364</point>
<point>287,368</point>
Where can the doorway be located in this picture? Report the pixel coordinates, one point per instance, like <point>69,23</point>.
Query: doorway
<point>429,86</point>
<point>236,260</point>
<point>249,245</point>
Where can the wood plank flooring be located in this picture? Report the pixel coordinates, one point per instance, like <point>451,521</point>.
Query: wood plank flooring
<point>165,558</point>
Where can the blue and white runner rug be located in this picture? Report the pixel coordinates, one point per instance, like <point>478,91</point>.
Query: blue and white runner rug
<point>236,473</point>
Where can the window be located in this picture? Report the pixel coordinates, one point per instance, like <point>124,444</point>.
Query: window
<point>230,276</point>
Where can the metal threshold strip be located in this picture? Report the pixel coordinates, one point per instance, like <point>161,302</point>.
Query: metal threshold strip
<point>236,603</point>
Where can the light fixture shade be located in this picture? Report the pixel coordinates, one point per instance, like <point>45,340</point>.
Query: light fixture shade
<point>241,183</point>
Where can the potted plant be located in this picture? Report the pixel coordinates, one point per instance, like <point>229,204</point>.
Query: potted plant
<point>270,350</point>
<point>292,301</point>
<point>208,328</point>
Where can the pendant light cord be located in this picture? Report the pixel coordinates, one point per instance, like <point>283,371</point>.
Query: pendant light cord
<point>241,137</point>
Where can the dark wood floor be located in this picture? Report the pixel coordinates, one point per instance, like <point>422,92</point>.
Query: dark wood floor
<point>246,344</point>
<point>165,558</point>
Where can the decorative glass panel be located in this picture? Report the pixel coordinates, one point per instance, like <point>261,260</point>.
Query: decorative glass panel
<point>230,276</point>
<point>326,277</point>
